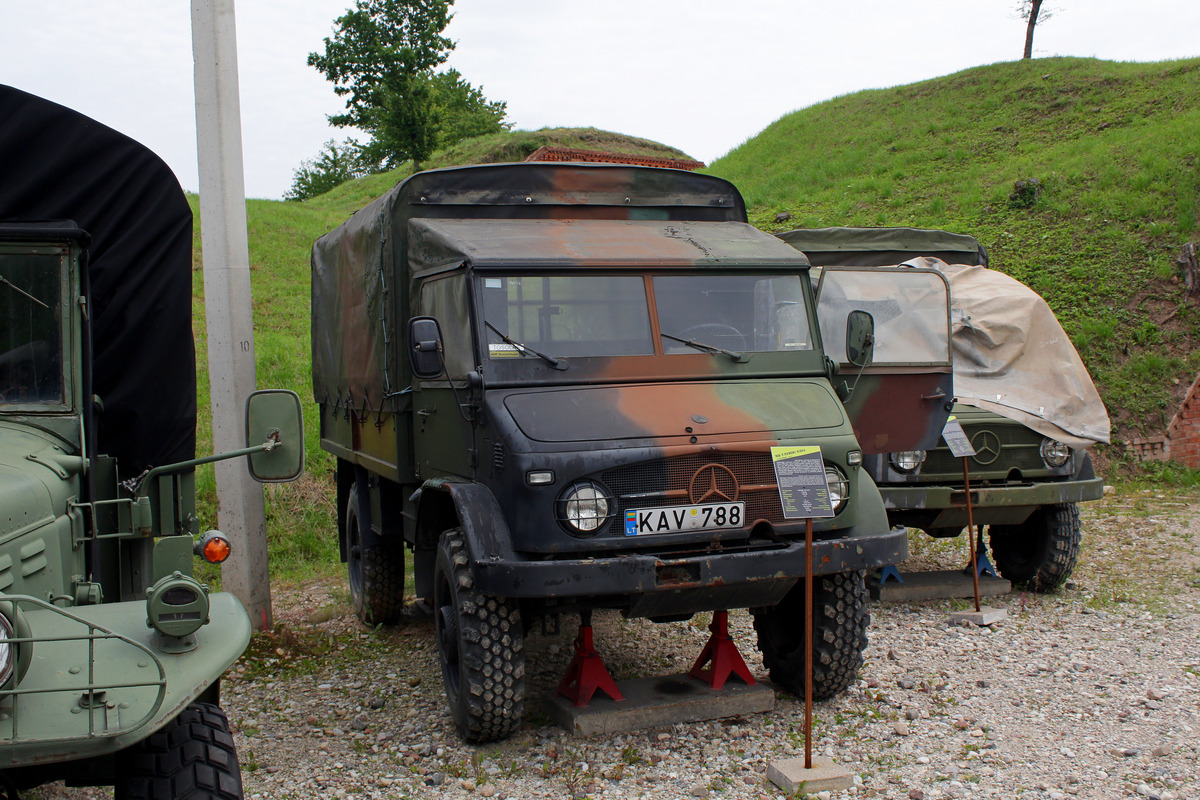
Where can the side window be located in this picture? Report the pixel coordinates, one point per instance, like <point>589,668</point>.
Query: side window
<point>445,299</point>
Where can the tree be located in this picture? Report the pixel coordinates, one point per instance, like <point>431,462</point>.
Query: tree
<point>380,58</point>
<point>462,112</point>
<point>333,166</point>
<point>1032,12</point>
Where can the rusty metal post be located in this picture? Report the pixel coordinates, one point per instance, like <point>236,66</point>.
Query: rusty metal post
<point>971,532</point>
<point>808,643</point>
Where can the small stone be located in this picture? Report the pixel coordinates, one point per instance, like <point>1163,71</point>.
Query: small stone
<point>311,721</point>
<point>271,770</point>
<point>1156,694</point>
<point>414,682</point>
<point>468,785</point>
<point>912,713</point>
<point>901,728</point>
<point>487,790</point>
<point>1161,750</point>
<point>378,703</point>
<point>916,794</point>
<point>699,790</point>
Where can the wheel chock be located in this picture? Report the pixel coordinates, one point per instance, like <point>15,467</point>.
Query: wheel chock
<point>586,673</point>
<point>723,654</point>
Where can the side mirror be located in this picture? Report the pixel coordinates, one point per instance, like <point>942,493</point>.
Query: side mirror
<point>425,347</point>
<point>274,415</point>
<point>860,338</point>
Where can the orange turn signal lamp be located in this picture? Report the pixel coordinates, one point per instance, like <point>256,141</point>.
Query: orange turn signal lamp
<point>213,547</point>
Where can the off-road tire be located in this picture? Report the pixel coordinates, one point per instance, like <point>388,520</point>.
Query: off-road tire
<point>840,619</point>
<point>376,572</point>
<point>481,648</point>
<point>1040,553</point>
<point>192,758</point>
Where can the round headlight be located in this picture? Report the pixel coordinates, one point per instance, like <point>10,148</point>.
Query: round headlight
<point>907,460</point>
<point>585,507</point>
<point>1054,453</point>
<point>839,487</point>
<point>8,651</point>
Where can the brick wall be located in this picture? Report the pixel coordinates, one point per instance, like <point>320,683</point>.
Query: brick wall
<point>1182,442</point>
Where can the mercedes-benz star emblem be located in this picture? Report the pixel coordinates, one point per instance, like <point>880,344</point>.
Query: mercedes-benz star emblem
<point>713,483</point>
<point>987,447</point>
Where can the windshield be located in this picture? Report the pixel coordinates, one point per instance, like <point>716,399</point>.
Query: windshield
<point>564,316</point>
<point>910,308</point>
<point>737,313</point>
<point>30,330</point>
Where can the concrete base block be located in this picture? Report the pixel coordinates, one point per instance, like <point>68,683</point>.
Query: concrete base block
<point>654,702</point>
<point>984,616</point>
<point>791,776</point>
<point>934,585</point>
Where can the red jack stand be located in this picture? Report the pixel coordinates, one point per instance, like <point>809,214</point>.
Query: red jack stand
<point>586,673</point>
<point>724,655</point>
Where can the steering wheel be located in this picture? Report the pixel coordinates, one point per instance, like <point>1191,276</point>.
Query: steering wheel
<point>719,330</point>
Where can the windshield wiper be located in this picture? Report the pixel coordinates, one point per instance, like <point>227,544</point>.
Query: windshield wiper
<point>557,363</point>
<point>19,290</point>
<point>740,358</point>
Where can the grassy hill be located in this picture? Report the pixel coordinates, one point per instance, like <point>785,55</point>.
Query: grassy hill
<point>1116,149</point>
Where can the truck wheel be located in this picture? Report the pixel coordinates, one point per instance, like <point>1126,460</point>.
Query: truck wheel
<point>376,572</point>
<point>192,758</point>
<point>1040,553</point>
<point>840,620</point>
<point>481,648</point>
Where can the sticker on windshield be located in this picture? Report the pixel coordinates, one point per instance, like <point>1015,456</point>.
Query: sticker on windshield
<point>503,350</point>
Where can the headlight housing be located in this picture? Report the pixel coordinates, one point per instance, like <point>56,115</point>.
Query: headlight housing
<point>839,487</point>
<point>584,508</point>
<point>1054,452</point>
<point>8,651</point>
<point>907,461</point>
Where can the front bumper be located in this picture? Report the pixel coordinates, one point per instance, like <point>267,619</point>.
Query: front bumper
<point>648,585</point>
<point>98,683</point>
<point>920,506</point>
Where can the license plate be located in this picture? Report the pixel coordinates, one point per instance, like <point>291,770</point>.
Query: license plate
<point>671,519</point>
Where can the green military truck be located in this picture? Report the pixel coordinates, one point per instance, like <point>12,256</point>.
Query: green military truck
<point>111,651</point>
<point>1024,399</point>
<point>558,386</point>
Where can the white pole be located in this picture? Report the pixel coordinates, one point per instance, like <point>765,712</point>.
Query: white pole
<point>227,301</point>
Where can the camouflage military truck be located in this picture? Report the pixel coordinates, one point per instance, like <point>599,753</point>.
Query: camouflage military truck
<point>111,651</point>
<point>558,385</point>
<point>1024,399</point>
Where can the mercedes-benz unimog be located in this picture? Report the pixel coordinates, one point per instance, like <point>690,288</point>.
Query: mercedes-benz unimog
<point>558,386</point>
<point>1023,398</point>
<point>111,651</point>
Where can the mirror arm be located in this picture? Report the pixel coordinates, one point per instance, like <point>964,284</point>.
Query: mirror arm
<point>144,479</point>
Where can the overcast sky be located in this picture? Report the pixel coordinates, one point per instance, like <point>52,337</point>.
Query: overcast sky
<point>700,75</point>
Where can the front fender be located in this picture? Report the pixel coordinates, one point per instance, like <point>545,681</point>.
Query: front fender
<point>98,683</point>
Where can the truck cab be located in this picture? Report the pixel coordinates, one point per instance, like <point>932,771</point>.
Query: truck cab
<point>111,650</point>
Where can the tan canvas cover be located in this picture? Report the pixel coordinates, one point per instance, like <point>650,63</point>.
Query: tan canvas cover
<point>1013,358</point>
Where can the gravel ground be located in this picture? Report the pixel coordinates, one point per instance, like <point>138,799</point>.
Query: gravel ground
<point>1090,693</point>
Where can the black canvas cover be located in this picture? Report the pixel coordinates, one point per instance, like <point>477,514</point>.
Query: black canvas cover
<point>57,164</point>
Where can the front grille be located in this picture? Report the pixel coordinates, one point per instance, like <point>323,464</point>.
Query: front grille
<point>665,481</point>
<point>1019,450</point>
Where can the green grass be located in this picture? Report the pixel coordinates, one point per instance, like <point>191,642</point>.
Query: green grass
<point>1116,147</point>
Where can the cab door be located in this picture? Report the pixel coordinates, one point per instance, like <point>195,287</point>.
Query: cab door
<point>902,398</point>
